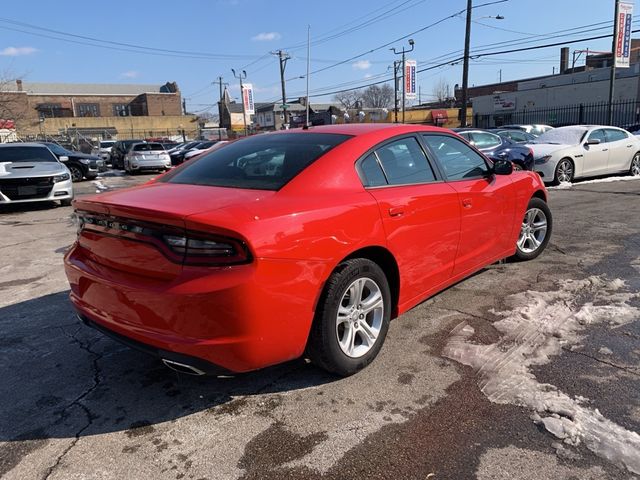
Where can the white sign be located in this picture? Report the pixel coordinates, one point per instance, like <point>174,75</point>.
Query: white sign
<point>623,34</point>
<point>247,98</point>
<point>504,103</point>
<point>410,67</point>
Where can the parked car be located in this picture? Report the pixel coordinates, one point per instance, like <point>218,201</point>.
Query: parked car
<point>177,155</point>
<point>303,242</point>
<point>146,156</point>
<point>30,172</point>
<point>566,153</point>
<point>81,165</point>
<point>201,147</point>
<point>518,136</point>
<point>498,147</point>
<point>535,130</point>
<point>119,150</point>
<point>103,149</point>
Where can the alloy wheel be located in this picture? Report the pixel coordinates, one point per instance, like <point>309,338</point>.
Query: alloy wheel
<point>565,171</point>
<point>635,165</point>
<point>533,230</point>
<point>76,173</point>
<point>360,316</point>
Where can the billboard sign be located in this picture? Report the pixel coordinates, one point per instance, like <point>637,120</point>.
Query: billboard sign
<point>247,98</point>
<point>623,34</point>
<point>410,79</point>
<point>504,103</point>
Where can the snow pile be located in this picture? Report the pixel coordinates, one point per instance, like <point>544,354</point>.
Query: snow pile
<point>538,326</point>
<point>568,185</point>
<point>100,186</point>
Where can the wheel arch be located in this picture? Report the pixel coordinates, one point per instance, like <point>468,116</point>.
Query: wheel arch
<point>541,194</point>
<point>385,260</point>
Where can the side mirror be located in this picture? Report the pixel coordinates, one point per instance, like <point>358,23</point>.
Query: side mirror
<point>593,141</point>
<point>63,158</point>
<point>503,167</point>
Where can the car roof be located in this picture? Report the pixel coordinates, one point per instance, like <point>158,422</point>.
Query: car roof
<point>357,129</point>
<point>23,144</point>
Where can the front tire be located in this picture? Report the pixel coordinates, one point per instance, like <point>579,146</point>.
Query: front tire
<point>535,230</point>
<point>565,172</point>
<point>66,202</point>
<point>76,173</point>
<point>634,168</point>
<point>352,318</point>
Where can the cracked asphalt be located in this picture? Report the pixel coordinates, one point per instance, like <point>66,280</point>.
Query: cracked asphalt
<point>78,405</point>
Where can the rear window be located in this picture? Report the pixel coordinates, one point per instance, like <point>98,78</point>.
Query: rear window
<point>26,154</point>
<point>262,162</point>
<point>106,144</point>
<point>145,147</point>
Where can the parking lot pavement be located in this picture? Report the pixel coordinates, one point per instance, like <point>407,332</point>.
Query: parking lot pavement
<point>555,397</point>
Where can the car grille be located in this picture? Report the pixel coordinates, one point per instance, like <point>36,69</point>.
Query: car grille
<point>26,188</point>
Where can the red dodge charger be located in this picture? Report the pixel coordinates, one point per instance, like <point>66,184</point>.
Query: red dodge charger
<point>301,242</point>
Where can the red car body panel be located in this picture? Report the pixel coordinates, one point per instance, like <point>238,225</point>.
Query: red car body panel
<point>245,317</point>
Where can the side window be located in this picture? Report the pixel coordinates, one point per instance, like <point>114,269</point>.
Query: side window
<point>466,136</point>
<point>370,172</point>
<point>598,134</point>
<point>458,160</point>
<point>616,135</point>
<point>485,140</point>
<point>404,162</point>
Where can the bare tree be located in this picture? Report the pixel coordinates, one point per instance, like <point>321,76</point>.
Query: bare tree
<point>12,104</point>
<point>349,99</point>
<point>378,96</point>
<point>441,90</point>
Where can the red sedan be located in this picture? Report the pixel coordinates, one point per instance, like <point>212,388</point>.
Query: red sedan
<point>303,242</point>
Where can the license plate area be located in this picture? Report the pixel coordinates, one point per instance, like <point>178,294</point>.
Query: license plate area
<point>27,190</point>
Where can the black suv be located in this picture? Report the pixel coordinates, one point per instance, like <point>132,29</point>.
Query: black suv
<point>119,150</point>
<point>81,165</point>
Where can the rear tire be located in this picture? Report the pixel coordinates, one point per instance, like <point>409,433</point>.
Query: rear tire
<point>352,318</point>
<point>535,231</point>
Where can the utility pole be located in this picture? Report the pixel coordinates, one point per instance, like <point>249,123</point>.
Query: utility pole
<point>241,76</point>
<point>396,67</point>
<point>404,73</point>
<point>465,65</point>
<point>184,106</point>
<point>612,78</point>
<point>221,84</point>
<point>283,56</point>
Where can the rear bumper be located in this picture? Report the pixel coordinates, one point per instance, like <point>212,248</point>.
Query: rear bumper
<point>236,318</point>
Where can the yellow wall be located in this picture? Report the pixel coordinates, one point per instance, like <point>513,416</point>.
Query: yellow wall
<point>124,125</point>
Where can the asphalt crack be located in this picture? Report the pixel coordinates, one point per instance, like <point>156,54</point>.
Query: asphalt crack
<point>77,402</point>
<point>630,370</point>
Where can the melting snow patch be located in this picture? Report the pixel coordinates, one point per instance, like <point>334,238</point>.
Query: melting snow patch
<point>100,186</point>
<point>538,326</point>
<point>567,185</point>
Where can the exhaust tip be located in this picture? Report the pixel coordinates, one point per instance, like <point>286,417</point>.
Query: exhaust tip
<point>182,367</point>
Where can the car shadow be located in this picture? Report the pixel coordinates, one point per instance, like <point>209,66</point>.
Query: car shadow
<point>61,379</point>
<point>28,207</point>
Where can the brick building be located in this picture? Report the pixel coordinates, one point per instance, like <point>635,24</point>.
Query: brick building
<point>122,109</point>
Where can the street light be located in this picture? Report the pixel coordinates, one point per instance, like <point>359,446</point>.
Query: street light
<point>241,76</point>
<point>465,65</point>
<point>404,81</point>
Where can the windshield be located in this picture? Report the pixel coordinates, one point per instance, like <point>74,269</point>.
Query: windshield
<point>26,154</point>
<point>57,149</point>
<point>562,136</point>
<point>263,162</point>
<point>146,147</point>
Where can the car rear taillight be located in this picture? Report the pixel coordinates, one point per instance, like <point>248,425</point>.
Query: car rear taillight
<point>202,249</point>
<point>178,245</point>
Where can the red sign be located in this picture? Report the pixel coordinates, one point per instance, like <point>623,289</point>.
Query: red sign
<point>7,124</point>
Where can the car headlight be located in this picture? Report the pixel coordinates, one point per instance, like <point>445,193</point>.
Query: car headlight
<point>85,161</point>
<point>61,178</point>
<point>542,160</point>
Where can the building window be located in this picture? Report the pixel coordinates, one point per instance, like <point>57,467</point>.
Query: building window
<point>88,110</point>
<point>50,110</point>
<point>268,118</point>
<point>121,110</point>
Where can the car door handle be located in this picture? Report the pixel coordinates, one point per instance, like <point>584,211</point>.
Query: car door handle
<point>629,146</point>
<point>605,149</point>
<point>467,203</point>
<point>396,211</point>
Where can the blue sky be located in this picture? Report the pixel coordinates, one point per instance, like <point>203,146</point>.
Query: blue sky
<point>217,35</point>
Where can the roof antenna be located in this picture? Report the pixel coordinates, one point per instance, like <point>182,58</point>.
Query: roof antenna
<point>306,123</point>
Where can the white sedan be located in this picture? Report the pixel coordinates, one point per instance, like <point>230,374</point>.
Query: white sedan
<point>566,153</point>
